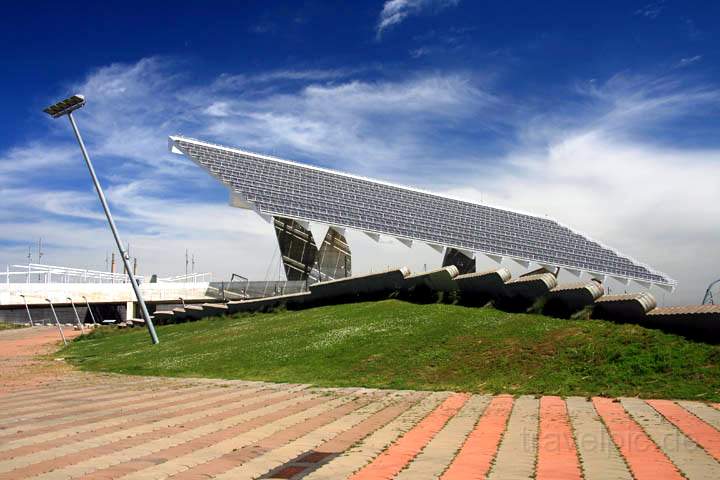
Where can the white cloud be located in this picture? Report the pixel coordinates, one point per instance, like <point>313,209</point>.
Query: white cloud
<point>234,82</point>
<point>338,123</point>
<point>420,52</point>
<point>684,62</point>
<point>651,10</point>
<point>647,199</point>
<point>396,11</point>
<point>33,158</point>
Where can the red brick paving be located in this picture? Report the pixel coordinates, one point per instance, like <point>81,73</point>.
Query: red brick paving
<point>557,455</point>
<point>236,458</point>
<point>128,442</point>
<point>700,432</point>
<point>644,458</point>
<point>398,455</point>
<point>476,455</point>
<point>205,441</point>
<point>39,397</point>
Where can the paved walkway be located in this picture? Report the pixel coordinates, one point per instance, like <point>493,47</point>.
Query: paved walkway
<point>56,423</point>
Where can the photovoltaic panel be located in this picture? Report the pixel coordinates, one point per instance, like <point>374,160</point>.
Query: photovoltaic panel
<point>282,188</point>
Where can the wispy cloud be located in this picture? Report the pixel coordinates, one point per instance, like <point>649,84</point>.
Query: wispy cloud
<point>32,158</point>
<point>396,11</point>
<point>597,172</point>
<point>232,82</point>
<point>333,121</point>
<point>420,52</point>
<point>651,10</point>
<point>684,62</point>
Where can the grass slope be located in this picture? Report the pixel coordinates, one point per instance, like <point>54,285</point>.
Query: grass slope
<point>10,326</point>
<point>393,344</point>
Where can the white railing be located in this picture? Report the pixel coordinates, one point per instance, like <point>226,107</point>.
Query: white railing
<point>188,278</point>
<point>38,273</point>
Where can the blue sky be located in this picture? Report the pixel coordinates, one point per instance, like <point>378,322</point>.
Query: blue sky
<point>603,116</point>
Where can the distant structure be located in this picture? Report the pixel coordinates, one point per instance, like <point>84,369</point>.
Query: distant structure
<point>311,209</point>
<point>709,298</point>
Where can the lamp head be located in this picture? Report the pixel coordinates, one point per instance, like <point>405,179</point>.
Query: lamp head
<point>63,107</point>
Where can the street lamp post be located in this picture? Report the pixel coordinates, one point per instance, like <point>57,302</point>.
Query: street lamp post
<point>27,309</point>
<point>57,322</point>
<point>77,317</point>
<point>66,107</point>
<point>90,310</point>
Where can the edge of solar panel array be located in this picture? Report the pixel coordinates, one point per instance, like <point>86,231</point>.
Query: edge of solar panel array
<point>174,148</point>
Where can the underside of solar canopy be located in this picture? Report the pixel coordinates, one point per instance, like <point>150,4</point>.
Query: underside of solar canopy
<point>280,188</point>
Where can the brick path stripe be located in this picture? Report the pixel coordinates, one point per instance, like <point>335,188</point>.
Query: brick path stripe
<point>181,447</point>
<point>700,432</point>
<point>82,463</point>
<point>688,457</point>
<point>234,440</point>
<point>307,443</point>
<point>44,397</point>
<point>557,455</point>
<point>372,445</point>
<point>516,456</point>
<point>440,451</point>
<point>397,456</point>
<point>50,404</point>
<point>334,447</point>
<point>84,381</point>
<point>85,403</point>
<point>600,458</point>
<point>704,412</point>
<point>70,453</point>
<point>42,389</point>
<point>475,457</point>
<point>644,458</point>
<point>61,421</point>
<point>52,388</point>
<point>112,423</point>
<point>244,462</point>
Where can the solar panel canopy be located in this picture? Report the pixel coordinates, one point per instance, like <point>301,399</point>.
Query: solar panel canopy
<point>276,187</point>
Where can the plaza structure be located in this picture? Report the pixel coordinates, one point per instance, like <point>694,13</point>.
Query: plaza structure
<point>312,209</point>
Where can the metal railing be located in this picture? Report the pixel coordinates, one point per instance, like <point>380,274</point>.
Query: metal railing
<point>39,273</point>
<point>255,289</point>
<point>188,278</point>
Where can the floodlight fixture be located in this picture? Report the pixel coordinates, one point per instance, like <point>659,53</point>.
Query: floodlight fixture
<point>65,108</point>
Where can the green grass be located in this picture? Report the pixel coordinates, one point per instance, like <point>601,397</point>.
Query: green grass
<point>393,344</point>
<point>10,326</point>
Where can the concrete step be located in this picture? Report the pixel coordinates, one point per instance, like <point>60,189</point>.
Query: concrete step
<point>630,307</point>
<point>521,293</point>
<point>697,321</point>
<point>567,299</point>
<point>214,309</point>
<point>439,280</point>
<point>360,287</point>
<point>481,287</point>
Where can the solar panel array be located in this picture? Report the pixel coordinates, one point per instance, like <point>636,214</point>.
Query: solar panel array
<point>289,189</point>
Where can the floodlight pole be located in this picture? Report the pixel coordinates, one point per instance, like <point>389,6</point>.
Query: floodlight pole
<point>77,317</point>
<point>57,322</point>
<point>28,310</point>
<point>90,310</point>
<point>123,253</point>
